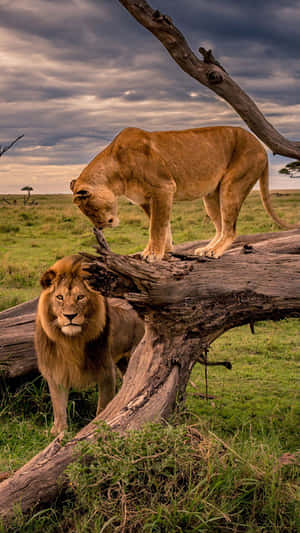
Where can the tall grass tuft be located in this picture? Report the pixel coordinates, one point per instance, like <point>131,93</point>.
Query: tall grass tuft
<point>174,478</point>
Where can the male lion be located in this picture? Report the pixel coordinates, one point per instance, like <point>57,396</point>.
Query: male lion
<point>220,164</point>
<point>80,335</point>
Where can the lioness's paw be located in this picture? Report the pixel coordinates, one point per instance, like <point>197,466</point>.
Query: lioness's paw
<point>200,251</point>
<point>206,252</point>
<point>152,256</point>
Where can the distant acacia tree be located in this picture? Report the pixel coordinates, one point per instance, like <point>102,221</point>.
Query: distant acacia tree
<point>291,169</point>
<point>28,189</point>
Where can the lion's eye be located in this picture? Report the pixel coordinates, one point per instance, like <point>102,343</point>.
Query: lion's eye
<point>59,297</point>
<point>80,296</point>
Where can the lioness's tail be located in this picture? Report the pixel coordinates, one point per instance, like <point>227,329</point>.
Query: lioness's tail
<point>265,197</point>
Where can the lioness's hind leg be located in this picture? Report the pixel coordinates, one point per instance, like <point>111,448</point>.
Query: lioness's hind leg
<point>233,190</point>
<point>212,208</point>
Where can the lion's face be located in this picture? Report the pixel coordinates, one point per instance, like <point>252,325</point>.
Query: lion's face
<point>98,204</point>
<point>70,306</point>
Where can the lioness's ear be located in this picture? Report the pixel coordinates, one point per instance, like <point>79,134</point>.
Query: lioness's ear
<point>72,183</point>
<point>47,278</point>
<point>83,194</point>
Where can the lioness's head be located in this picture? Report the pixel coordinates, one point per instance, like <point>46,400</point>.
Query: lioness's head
<point>67,305</point>
<point>98,203</point>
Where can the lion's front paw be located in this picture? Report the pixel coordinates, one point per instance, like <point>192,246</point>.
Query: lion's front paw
<point>57,430</point>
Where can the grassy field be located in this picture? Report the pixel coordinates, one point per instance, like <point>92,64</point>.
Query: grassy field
<point>227,465</point>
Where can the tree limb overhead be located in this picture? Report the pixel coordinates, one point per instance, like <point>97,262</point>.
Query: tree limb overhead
<point>4,149</point>
<point>211,74</point>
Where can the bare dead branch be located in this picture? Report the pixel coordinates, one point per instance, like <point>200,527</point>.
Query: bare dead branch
<point>211,74</point>
<point>4,149</point>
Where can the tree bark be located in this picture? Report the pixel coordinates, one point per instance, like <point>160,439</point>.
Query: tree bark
<point>211,74</point>
<point>187,302</point>
<point>17,356</point>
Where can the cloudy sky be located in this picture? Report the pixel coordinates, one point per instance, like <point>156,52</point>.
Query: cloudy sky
<point>74,73</point>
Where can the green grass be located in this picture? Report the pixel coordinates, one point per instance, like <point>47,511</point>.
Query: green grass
<point>34,237</point>
<point>229,464</point>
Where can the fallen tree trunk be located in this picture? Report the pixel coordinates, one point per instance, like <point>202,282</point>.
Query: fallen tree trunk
<point>17,356</point>
<point>187,302</point>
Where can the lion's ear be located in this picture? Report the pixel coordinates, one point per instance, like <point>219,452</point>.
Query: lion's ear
<point>89,288</point>
<point>47,278</point>
<point>72,183</point>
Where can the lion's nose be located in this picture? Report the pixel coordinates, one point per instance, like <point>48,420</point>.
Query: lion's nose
<point>70,317</point>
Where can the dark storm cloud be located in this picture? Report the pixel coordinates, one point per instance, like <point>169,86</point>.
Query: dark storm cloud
<point>271,22</point>
<point>74,74</point>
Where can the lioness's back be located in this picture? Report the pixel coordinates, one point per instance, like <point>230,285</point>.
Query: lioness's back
<point>195,158</point>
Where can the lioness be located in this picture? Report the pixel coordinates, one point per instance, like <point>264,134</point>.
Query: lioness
<point>220,164</point>
<point>80,335</point>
